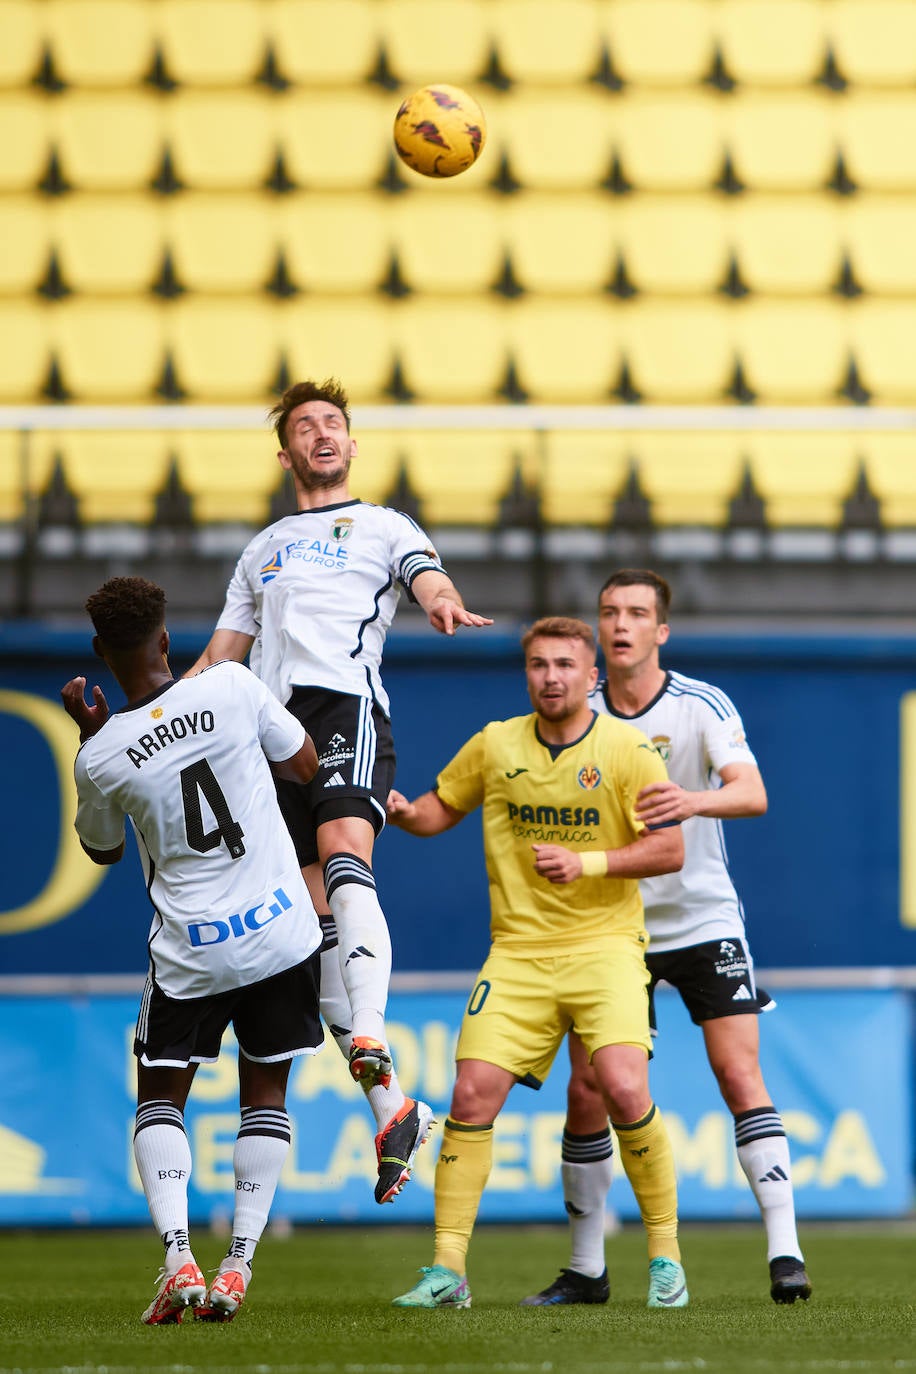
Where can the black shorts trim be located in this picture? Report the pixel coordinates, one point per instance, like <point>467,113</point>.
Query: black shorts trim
<point>356,764</point>
<point>714,979</point>
<point>274,1019</point>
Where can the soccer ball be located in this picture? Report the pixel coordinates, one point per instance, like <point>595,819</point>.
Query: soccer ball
<point>439,131</point>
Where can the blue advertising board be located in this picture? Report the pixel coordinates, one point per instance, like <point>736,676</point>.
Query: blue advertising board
<point>820,873</point>
<point>67,1112</point>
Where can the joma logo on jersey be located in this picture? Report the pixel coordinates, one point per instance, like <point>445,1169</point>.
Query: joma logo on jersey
<point>203,933</point>
<point>589,777</point>
<point>555,815</point>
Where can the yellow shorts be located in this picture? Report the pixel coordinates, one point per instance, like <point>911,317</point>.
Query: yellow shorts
<point>522,1007</point>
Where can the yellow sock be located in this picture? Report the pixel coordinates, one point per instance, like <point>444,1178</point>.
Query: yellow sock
<point>461,1176</point>
<point>645,1153</point>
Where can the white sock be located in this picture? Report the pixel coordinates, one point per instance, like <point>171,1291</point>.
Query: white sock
<point>163,1156</point>
<point>586,1170</point>
<point>763,1152</point>
<point>261,1148</point>
<point>335,1009</point>
<point>364,942</point>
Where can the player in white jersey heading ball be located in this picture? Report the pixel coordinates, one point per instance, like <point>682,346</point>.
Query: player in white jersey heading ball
<point>234,937</point>
<point>696,928</point>
<point>316,592</point>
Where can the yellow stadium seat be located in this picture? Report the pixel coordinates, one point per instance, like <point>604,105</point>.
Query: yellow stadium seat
<point>25,466</point>
<point>115,475</point>
<point>562,243</point>
<point>787,245</point>
<point>20,51</point>
<point>880,234</point>
<point>874,41</point>
<point>781,142</point>
<point>338,241</point>
<point>772,42</point>
<point>673,245</point>
<point>882,334</point>
<point>668,141</point>
<point>222,241</point>
<point>877,130</point>
<point>326,42</point>
<point>229,475</point>
<point>891,474</point>
<point>435,40</point>
<point>211,42</point>
<point>459,477</point>
<point>451,350</point>
<point>25,137</point>
<point>566,352</point>
<point>99,42</point>
<point>108,351</point>
<point>448,243</point>
<point>25,232</point>
<point>678,351</point>
<point>557,140</point>
<point>335,140</point>
<point>225,350</point>
<point>24,351</point>
<point>803,478</point>
<point>546,41</point>
<point>222,140</point>
<point>793,352</point>
<point>580,474</point>
<point>375,467</point>
<point>689,478</point>
<point>108,243</point>
<point>659,42</point>
<point>108,141</point>
<point>350,338</point>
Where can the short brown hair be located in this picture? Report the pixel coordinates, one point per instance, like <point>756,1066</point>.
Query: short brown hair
<point>560,627</point>
<point>329,390</point>
<point>642,577</point>
<point>126,611</point>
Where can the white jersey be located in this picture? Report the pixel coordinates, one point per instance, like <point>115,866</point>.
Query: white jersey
<point>319,588</point>
<point>188,766</point>
<point>697,731</point>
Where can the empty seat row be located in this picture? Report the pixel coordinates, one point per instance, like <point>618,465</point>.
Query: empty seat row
<point>113,42</point>
<point>462,350</point>
<point>348,242</point>
<point>460,478</point>
<point>334,140</point>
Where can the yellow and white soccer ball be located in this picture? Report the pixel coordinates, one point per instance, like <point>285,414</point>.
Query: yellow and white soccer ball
<point>439,131</point>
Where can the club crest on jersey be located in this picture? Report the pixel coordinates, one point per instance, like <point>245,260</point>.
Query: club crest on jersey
<point>270,569</point>
<point>663,746</point>
<point>342,529</point>
<point>589,777</point>
<point>156,713</point>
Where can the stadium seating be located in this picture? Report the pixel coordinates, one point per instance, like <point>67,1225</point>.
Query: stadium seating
<point>459,478</point>
<point>108,141</point>
<point>25,351</point>
<point>221,140</point>
<point>688,478</point>
<point>353,338</point>
<point>880,236</point>
<point>882,341</point>
<point>560,244</point>
<point>678,352</point>
<point>580,476</point>
<point>24,473</point>
<point>566,352</point>
<point>892,475</point>
<point>803,478</point>
<point>792,352</point>
<point>25,137</point>
<point>20,51</point>
<point>877,131</point>
<point>107,244</point>
<point>557,141</point>
<point>632,30</point>
<point>221,242</point>
<point>224,350</point>
<point>108,351</point>
<point>772,42</point>
<point>332,42</point>
<point>674,245</point>
<point>98,43</point>
<point>25,233</point>
<point>230,477</point>
<point>114,475</point>
<point>411,32</point>
<point>784,141</point>
<point>552,42</point>
<point>670,142</point>
<point>339,242</point>
<point>874,41</point>
<point>787,245</point>
<point>211,42</point>
<point>450,350</point>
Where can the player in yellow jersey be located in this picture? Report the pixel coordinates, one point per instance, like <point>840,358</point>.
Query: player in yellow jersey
<point>564,851</point>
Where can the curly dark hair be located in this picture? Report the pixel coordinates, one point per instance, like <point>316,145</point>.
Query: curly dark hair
<point>126,611</point>
<point>329,390</point>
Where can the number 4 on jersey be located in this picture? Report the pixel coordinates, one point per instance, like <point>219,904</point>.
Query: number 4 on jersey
<point>198,780</point>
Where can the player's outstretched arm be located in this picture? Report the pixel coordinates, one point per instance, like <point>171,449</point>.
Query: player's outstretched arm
<point>301,766</point>
<point>428,815</point>
<point>440,599</point>
<point>224,644</point>
<point>742,794</point>
<point>90,719</point>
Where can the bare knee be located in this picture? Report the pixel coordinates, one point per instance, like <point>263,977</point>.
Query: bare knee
<point>586,1113</point>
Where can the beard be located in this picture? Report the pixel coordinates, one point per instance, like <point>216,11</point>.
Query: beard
<point>310,480</point>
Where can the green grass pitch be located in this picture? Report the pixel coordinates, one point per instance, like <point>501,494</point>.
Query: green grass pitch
<point>320,1303</point>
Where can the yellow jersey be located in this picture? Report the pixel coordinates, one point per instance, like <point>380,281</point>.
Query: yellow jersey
<point>582,796</point>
